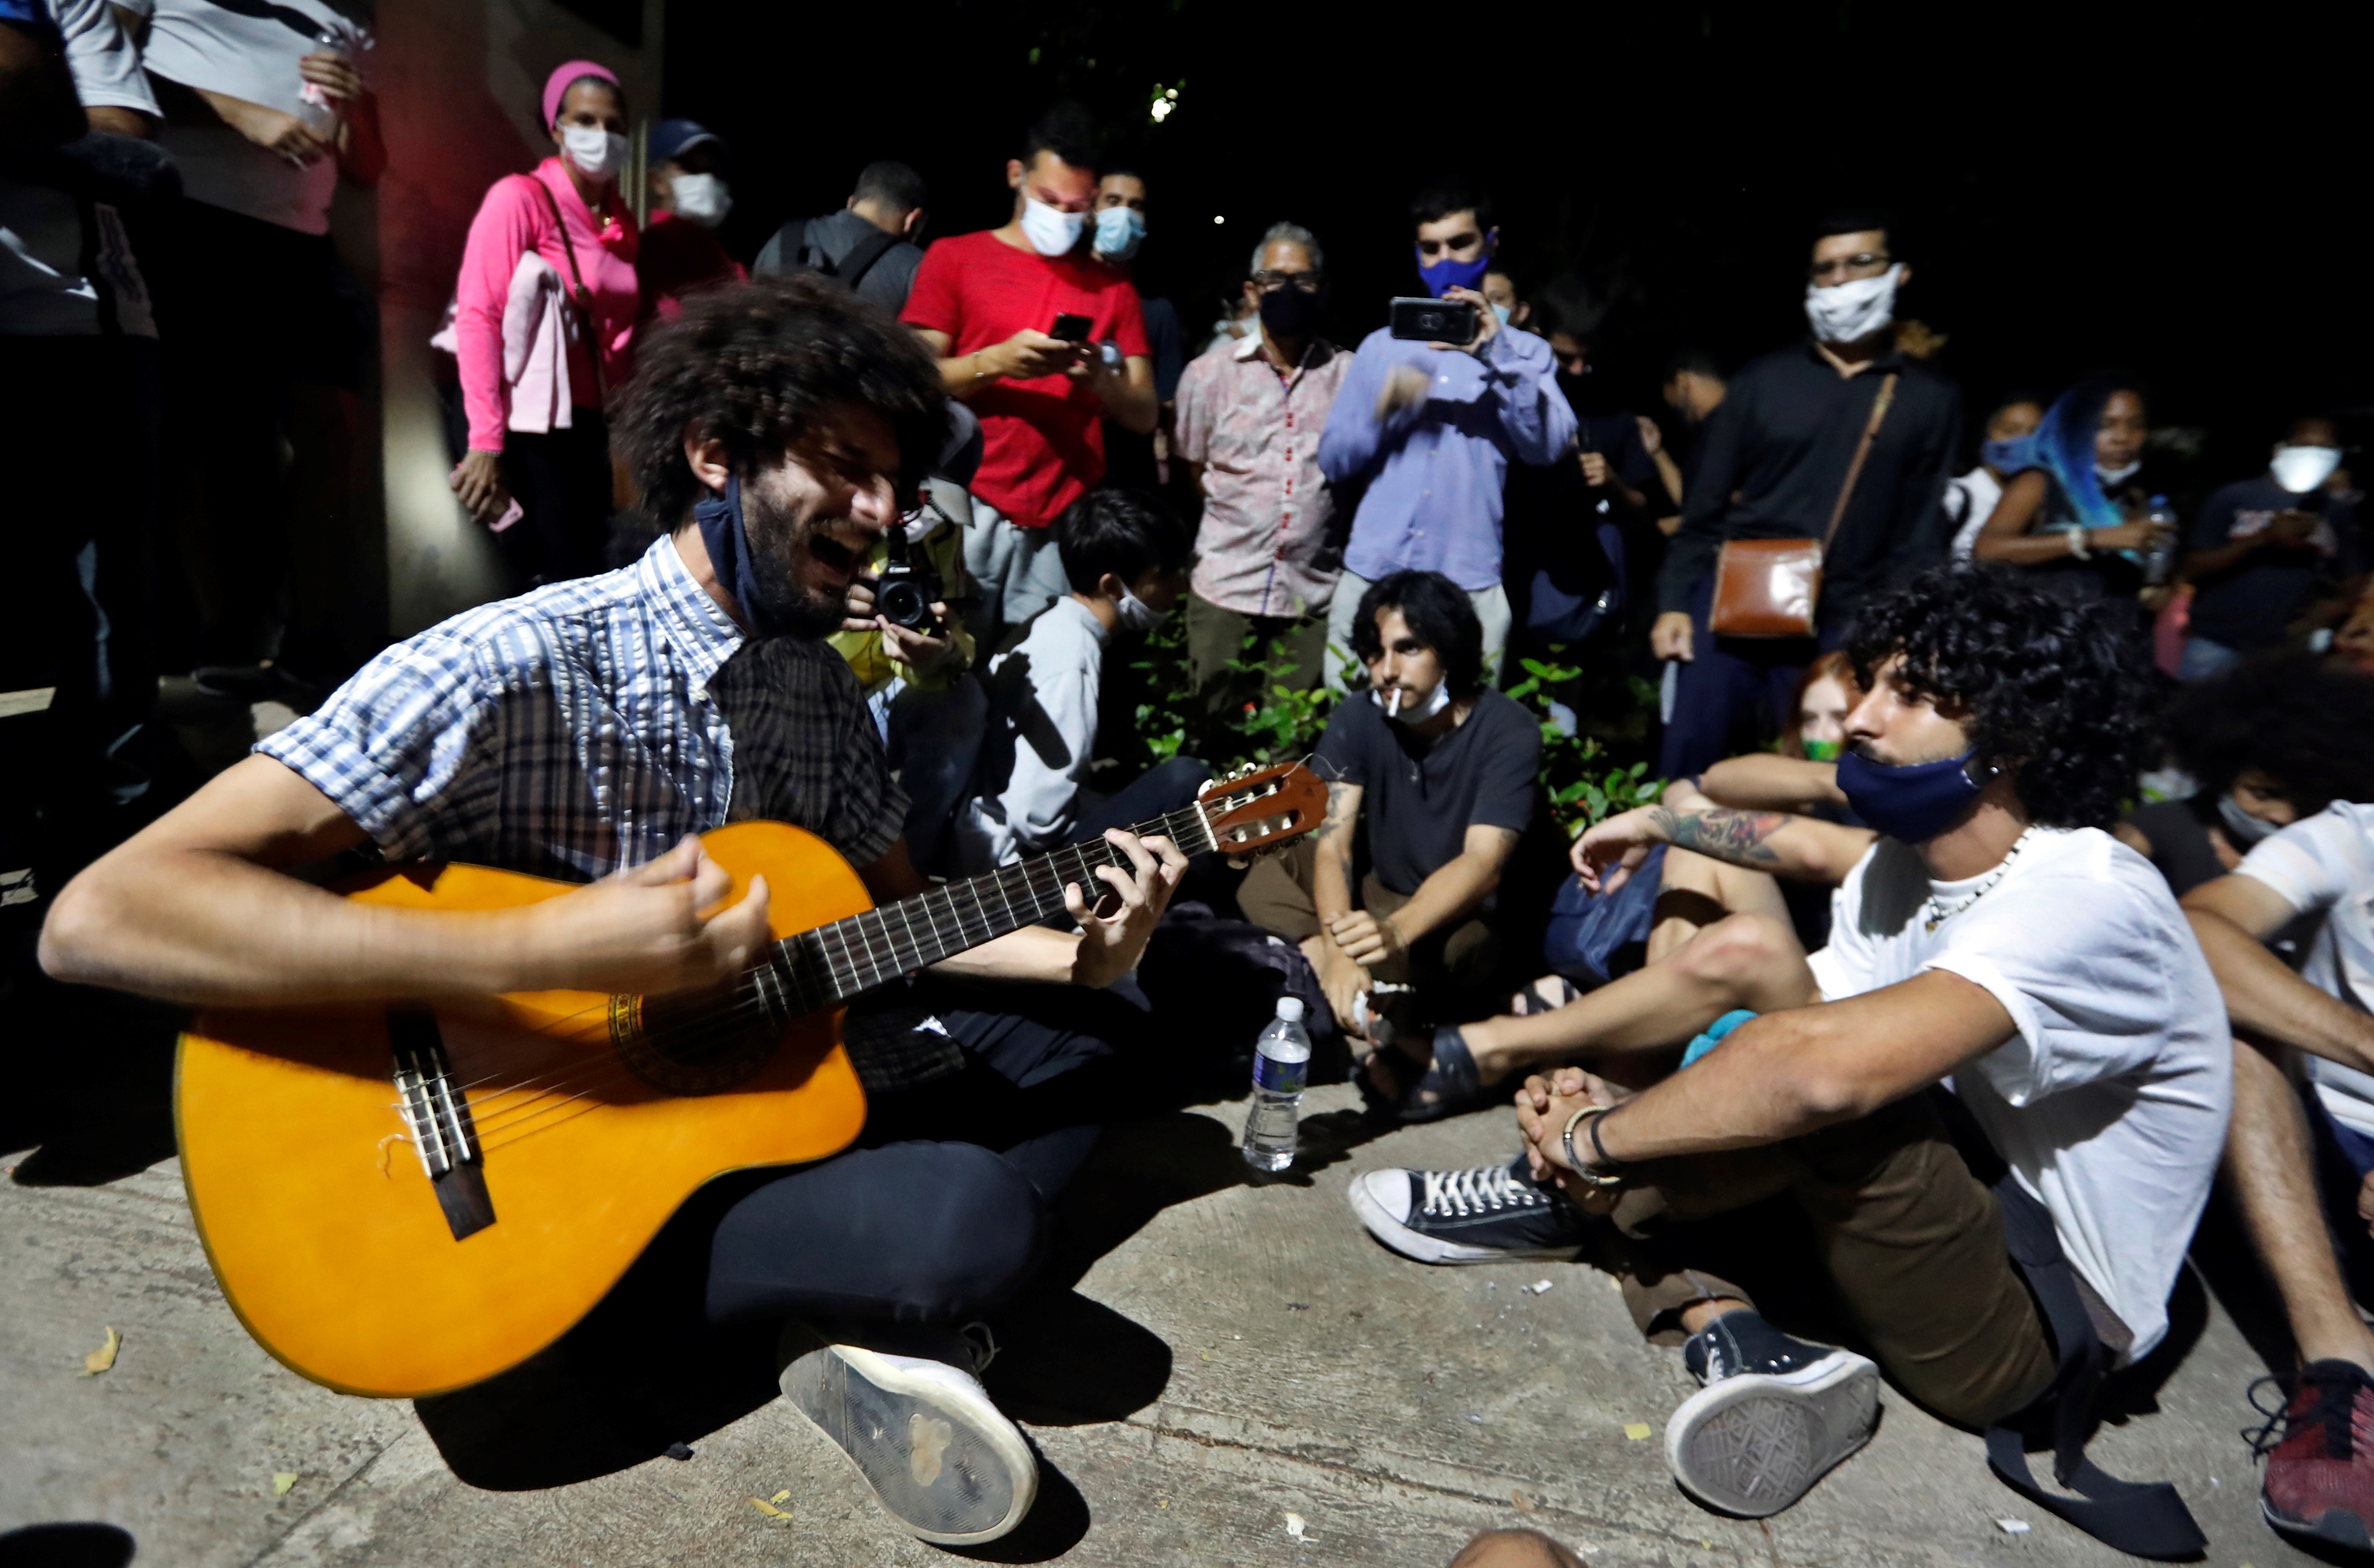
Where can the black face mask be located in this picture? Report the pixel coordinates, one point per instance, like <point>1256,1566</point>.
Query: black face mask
<point>1290,313</point>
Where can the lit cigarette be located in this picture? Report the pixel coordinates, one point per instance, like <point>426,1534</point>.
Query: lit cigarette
<point>1393,704</point>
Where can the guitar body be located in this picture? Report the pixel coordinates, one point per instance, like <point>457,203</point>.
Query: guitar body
<point>312,1192</point>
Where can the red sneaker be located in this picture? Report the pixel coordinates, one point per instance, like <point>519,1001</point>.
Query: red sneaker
<point>2320,1476</point>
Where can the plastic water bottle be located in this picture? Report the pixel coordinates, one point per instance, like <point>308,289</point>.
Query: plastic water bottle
<point>1281,1063</point>
<point>2160,562</point>
<point>318,110</point>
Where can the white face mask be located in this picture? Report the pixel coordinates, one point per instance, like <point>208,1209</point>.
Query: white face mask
<point>1503,312</point>
<point>1849,312</point>
<point>1119,231</point>
<point>1399,708</point>
<point>2245,829</point>
<point>599,153</point>
<point>2300,470</point>
<point>701,198</point>
<point>2117,476</point>
<point>1134,614</point>
<point>1051,230</point>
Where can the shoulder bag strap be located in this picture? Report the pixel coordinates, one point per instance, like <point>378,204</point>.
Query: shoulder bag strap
<point>583,300</point>
<point>863,255</point>
<point>1862,450</point>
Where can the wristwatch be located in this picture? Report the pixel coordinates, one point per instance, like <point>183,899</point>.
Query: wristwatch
<point>1609,1173</point>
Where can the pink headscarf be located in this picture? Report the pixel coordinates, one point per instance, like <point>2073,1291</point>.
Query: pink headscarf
<point>556,86</point>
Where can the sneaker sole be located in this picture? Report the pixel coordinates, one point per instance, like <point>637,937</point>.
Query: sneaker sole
<point>942,1459</point>
<point>1434,1249</point>
<point>2338,1525</point>
<point>1752,1444</point>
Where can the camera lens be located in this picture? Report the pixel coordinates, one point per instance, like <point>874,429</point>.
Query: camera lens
<point>904,603</point>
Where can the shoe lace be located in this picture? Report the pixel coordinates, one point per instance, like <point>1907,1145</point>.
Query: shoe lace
<point>2335,1413</point>
<point>980,1343</point>
<point>1472,1192</point>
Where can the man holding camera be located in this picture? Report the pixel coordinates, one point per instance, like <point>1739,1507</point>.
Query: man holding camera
<point>1430,428</point>
<point>1044,344</point>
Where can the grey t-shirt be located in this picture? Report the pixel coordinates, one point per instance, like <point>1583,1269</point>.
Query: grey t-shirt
<point>886,283</point>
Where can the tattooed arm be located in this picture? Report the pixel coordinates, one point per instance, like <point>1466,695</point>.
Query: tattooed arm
<point>1800,847</point>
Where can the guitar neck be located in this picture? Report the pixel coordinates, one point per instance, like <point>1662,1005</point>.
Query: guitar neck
<point>831,963</point>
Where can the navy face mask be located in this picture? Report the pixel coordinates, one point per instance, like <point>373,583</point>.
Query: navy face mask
<point>1447,274</point>
<point>768,608</point>
<point>1916,802</point>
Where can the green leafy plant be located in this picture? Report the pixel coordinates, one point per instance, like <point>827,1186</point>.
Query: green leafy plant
<point>1584,773</point>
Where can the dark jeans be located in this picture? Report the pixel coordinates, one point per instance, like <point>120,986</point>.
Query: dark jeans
<point>941,1210</point>
<point>561,480</point>
<point>83,613</point>
<point>1734,693</point>
<point>1160,790</point>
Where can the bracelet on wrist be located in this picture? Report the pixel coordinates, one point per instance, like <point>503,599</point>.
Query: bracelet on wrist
<point>2079,545</point>
<point>1607,1174</point>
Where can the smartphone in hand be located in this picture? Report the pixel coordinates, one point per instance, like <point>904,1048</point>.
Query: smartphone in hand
<point>1075,329</point>
<point>1433,321</point>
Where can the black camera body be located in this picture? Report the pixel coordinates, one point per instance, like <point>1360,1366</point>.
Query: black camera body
<point>907,587</point>
<point>1433,321</point>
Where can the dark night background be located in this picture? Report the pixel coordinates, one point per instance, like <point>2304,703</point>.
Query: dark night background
<point>2173,190</point>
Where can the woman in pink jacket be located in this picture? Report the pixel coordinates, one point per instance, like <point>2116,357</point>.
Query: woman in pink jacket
<point>544,327</point>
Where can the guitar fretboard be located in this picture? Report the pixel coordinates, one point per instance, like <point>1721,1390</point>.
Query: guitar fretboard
<point>830,964</point>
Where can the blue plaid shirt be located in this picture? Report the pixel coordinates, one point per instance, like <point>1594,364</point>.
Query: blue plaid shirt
<point>590,725</point>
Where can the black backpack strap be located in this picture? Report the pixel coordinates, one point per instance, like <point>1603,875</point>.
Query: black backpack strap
<point>2141,1518</point>
<point>861,257</point>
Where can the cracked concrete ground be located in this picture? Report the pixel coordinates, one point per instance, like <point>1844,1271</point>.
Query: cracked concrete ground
<point>1227,1359</point>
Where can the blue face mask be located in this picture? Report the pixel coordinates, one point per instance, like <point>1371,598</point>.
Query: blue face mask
<point>1119,231</point>
<point>1447,274</point>
<point>1916,802</point>
<point>2010,455</point>
<point>768,612</point>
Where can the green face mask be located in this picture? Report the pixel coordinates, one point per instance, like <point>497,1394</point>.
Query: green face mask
<point>1821,750</point>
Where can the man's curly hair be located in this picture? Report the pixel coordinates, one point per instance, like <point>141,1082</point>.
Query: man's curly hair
<point>2308,727</point>
<point>2057,691</point>
<point>752,364</point>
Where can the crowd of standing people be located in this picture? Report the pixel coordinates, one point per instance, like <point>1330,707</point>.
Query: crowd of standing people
<point>2008,880</point>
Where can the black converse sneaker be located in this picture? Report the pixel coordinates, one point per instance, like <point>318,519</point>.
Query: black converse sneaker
<point>920,1429</point>
<point>1776,1415</point>
<point>1491,1214</point>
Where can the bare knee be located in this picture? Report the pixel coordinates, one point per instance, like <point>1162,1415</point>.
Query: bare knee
<point>1745,954</point>
<point>1515,1549</point>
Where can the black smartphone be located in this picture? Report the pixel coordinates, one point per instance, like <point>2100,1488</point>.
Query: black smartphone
<point>1434,321</point>
<point>1071,328</point>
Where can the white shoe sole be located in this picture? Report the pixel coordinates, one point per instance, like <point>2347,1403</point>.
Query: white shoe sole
<point>941,1458</point>
<point>1434,1249</point>
<point>1753,1444</point>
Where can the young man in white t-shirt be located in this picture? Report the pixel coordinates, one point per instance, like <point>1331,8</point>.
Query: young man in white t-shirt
<point>1996,940</point>
<point>2302,1165</point>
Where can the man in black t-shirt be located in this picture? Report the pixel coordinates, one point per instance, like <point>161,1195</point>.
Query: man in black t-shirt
<point>2262,546</point>
<point>1443,770</point>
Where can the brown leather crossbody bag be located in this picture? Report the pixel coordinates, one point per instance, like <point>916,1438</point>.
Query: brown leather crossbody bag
<point>1771,587</point>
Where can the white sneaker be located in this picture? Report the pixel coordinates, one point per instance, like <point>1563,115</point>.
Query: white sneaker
<point>1759,1435</point>
<point>941,1458</point>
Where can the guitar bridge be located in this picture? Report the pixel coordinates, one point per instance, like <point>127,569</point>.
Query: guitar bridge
<point>437,1114</point>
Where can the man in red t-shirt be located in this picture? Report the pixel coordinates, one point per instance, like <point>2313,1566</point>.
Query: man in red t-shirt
<point>984,302</point>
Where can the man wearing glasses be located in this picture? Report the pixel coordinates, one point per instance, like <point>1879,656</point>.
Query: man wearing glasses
<point>1250,410</point>
<point>1774,463</point>
<point>1431,428</point>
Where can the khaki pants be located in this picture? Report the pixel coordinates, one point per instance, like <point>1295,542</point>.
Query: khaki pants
<point>1275,895</point>
<point>1910,1240</point>
<point>1491,608</point>
<point>1215,635</point>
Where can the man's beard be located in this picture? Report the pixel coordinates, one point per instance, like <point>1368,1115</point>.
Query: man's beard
<point>780,544</point>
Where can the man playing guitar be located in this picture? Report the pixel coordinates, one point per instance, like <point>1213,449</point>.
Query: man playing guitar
<point>584,731</point>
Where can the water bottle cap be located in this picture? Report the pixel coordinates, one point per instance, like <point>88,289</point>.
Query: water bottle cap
<point>1291,1008</point>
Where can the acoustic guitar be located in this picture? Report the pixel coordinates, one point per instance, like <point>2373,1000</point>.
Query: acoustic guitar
<point>400,1200</point>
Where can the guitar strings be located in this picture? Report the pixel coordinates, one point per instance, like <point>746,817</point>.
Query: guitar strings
<point>511,1108</point>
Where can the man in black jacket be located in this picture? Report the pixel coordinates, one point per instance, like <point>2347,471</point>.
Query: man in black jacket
<point>1773,465</point>
<point>871,244</point>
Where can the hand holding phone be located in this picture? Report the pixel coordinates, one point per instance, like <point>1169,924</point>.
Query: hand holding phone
<point>1070,329</point>
<point>1433,321</point>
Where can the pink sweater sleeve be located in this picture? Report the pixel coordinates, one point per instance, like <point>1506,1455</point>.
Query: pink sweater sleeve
<point>504,230</point>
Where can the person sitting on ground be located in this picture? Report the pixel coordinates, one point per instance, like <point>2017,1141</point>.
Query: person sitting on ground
<point>1125,557</point>
<point>1971,498</point>
<point>2266,744</point>
<point>1442,771</point>
<point>2301,1163</point>
<point>2264,548</point>
<point>2075,518</point>
<point>586,732</point>
<point>1994,936</point>
<point>1597,937</point>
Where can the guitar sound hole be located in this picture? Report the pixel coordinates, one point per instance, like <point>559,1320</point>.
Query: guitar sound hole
<point>701,1044</point>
